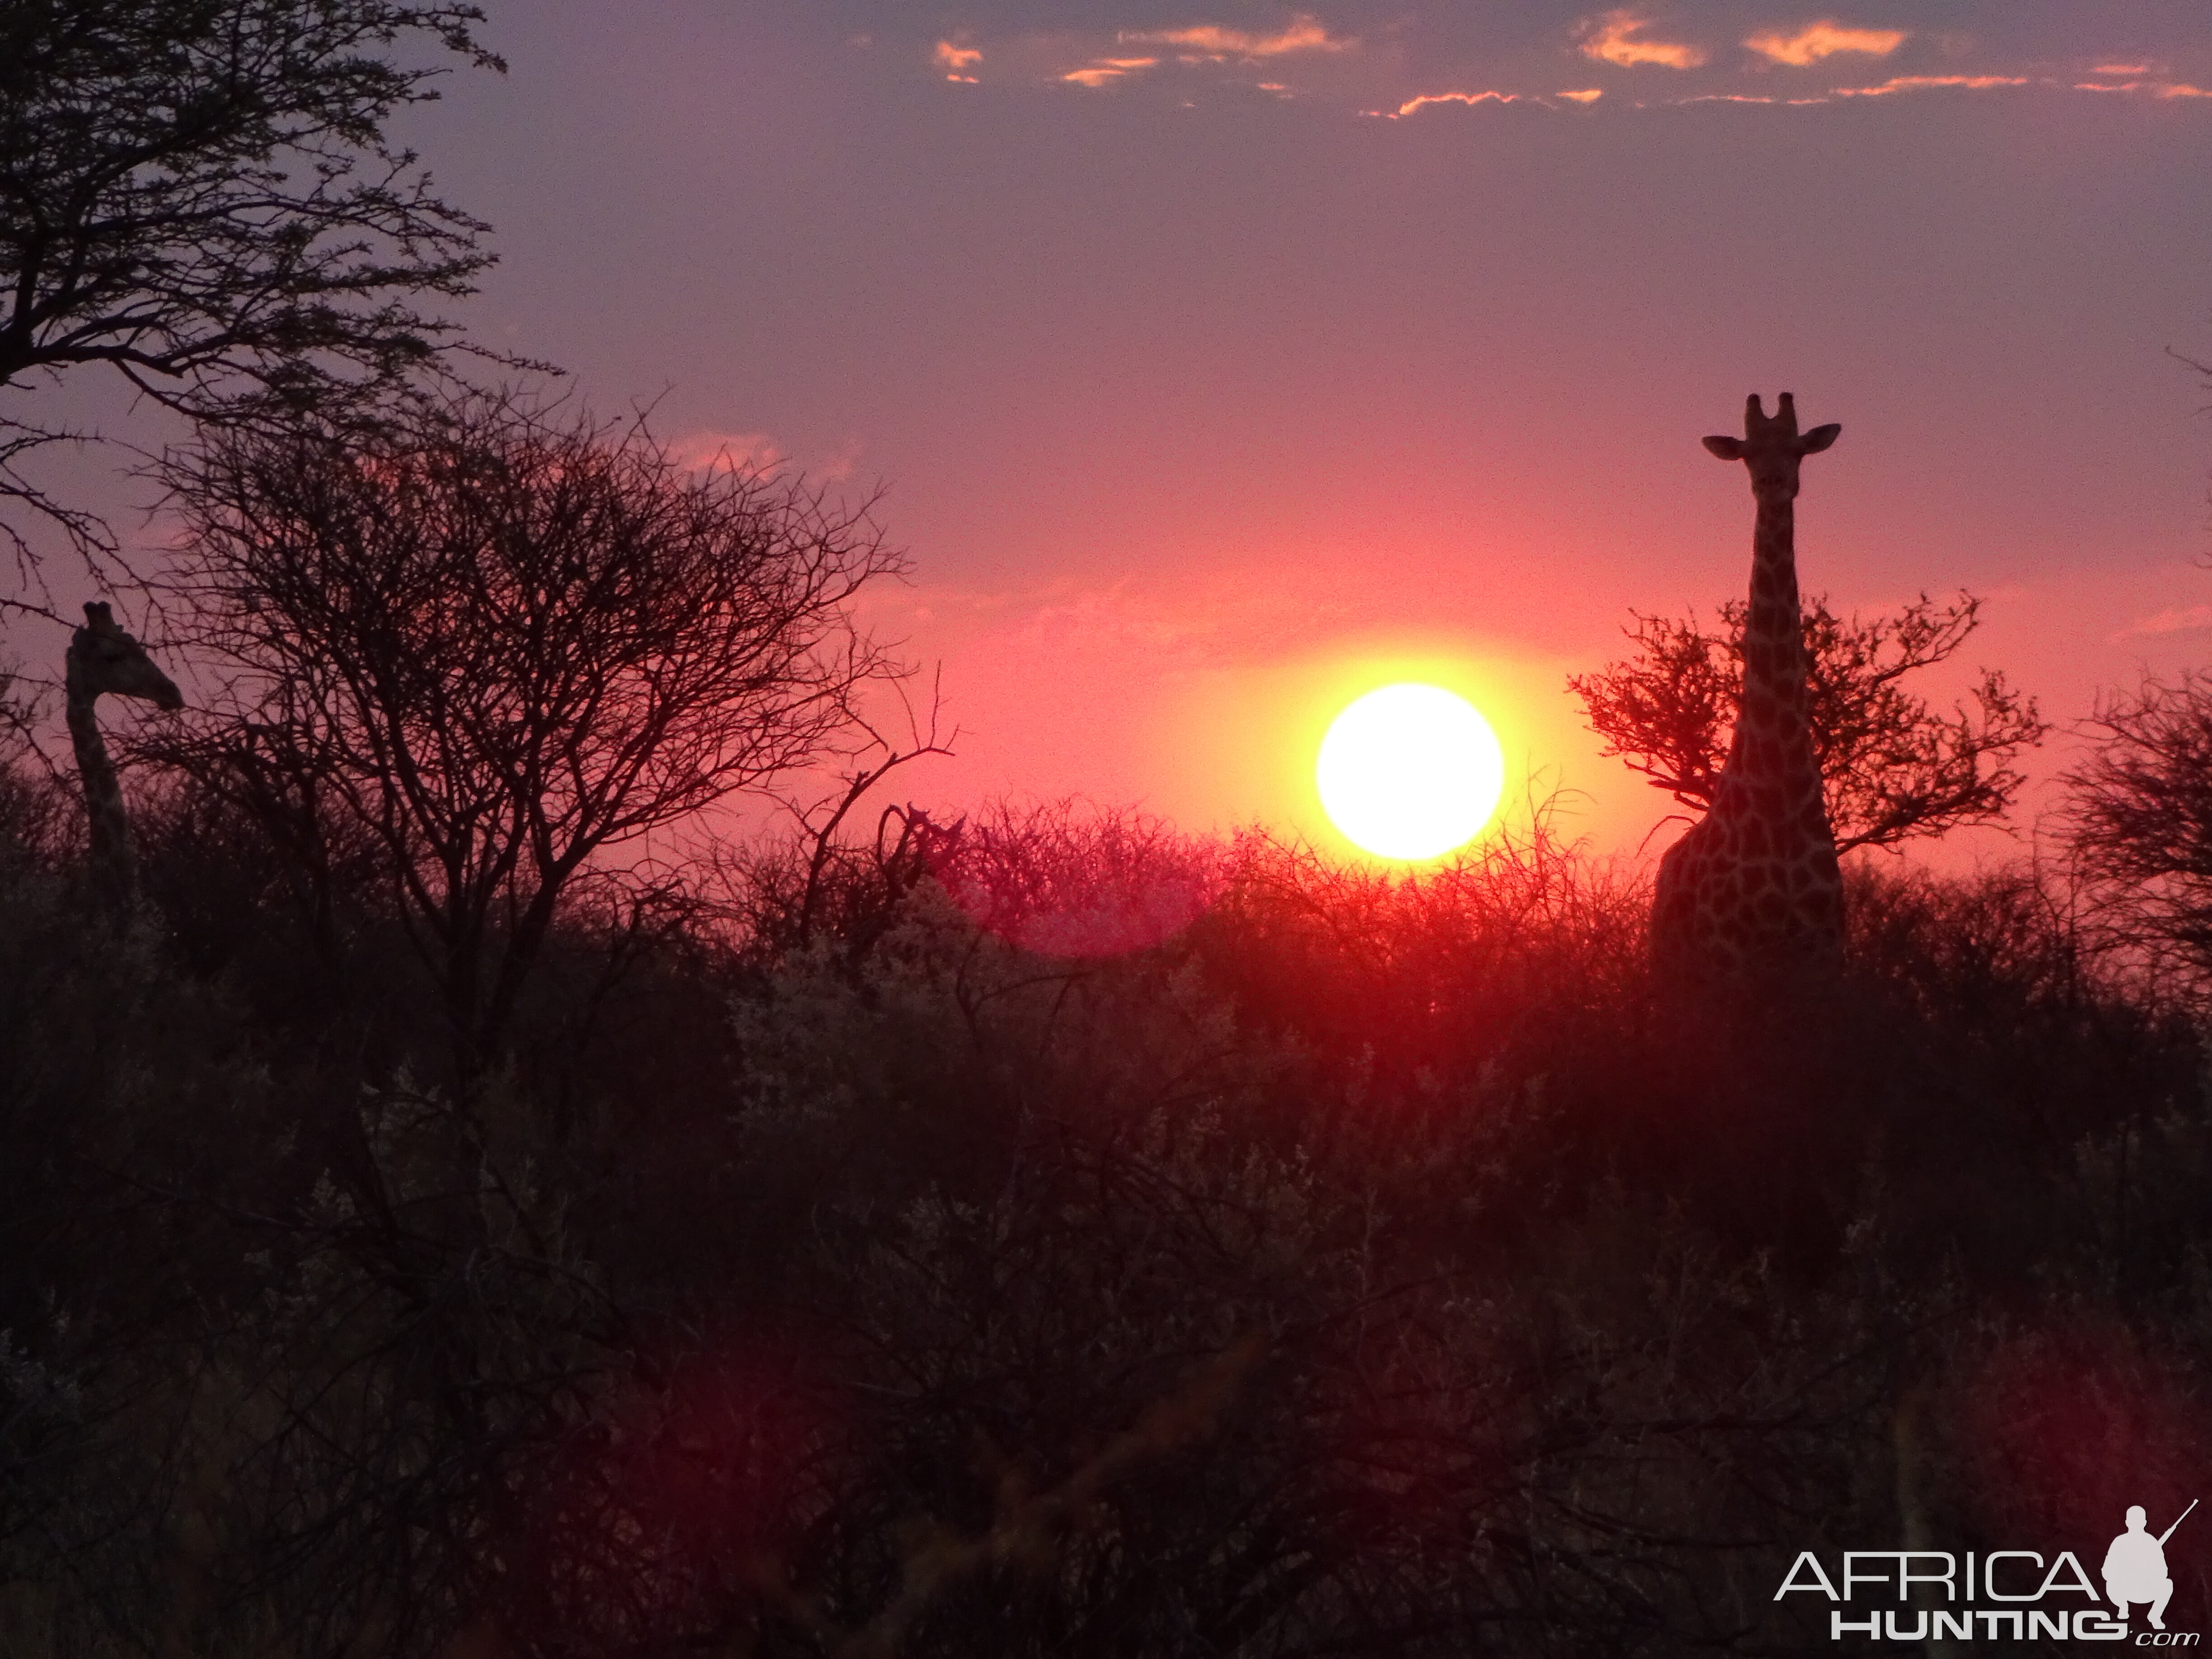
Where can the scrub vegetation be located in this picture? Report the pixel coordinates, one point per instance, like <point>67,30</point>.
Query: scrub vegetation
<point>1039,1233</point>
<point>480,1203</point>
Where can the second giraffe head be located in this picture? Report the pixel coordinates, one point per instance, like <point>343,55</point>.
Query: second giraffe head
<point>1773,448</point>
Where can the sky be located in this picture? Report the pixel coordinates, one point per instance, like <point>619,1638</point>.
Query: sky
<point>1218,361</point>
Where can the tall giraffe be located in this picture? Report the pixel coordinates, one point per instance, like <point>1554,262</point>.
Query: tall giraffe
<point>1755,885</point>
<point>105,660</point>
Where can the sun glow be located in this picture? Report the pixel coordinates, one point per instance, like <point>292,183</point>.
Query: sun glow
<point>1410,771</point>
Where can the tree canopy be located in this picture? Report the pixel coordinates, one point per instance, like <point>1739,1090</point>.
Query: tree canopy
<point>1892,767</point>
<point>200,194</point>
<point>489,644</point>
<point>2138,820</point>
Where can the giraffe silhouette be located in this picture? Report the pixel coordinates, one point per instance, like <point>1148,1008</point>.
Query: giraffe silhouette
<point>105,661</point>
<point>1753,887</point>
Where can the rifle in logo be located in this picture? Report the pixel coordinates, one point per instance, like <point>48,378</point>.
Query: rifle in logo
<point>2135,1566</point>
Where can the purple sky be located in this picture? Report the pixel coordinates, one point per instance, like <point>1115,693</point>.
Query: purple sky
<point>1213,375</point>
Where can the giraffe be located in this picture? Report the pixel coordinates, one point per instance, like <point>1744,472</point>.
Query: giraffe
<point>104,659</point>
<point>1753,886</point>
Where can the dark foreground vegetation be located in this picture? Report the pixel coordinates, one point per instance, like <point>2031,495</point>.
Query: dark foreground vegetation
<point>1048,1237</point>
<point>429,1226</point>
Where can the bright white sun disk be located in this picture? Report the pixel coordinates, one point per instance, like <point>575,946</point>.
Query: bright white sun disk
<point>1410,771</point>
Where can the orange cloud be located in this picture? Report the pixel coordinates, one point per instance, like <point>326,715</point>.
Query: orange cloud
<point>2148,88</point>
<point>1103,70</point>
<point>1428,98</point>
<point>1606,39</point>
<point>2121,68</point>
<point>1824,39</point>
<point>955,59</point>
<point>1305,33</point>
<point>1588,95</point>
<point>1915,82</point>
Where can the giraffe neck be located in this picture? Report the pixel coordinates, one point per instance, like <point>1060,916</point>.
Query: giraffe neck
<point>1773,727</point>
<point>114,861</point>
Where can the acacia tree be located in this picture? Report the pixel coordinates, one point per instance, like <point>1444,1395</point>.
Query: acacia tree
<point>495,646</point>
<point>2138,820</point>
<point>199,194</point>
<point>1892,767</point>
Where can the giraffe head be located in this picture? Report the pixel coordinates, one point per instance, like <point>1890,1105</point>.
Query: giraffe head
<point>104,660</point>
<point>1773,448</point>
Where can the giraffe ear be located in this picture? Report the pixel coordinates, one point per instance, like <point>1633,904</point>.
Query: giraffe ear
<point>1819,439</point>
<point>1728,449</point>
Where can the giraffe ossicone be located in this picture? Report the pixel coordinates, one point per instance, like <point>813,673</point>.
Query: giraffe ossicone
<point>103,660</point>
<point>1753,887</point>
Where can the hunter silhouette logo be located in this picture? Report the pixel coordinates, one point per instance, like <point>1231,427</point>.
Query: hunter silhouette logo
<point>2135,1566</point>
<point>1937,1594</point>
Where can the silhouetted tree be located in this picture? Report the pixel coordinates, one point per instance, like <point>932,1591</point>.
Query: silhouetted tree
<point>1892,767</point>
<point>2138,819</point>
<point>199,193</point>
<point>499,646</point>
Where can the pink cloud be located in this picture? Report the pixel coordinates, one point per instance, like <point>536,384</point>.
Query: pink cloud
<point>1824,39</point>
<point>1918,83</point>
<point>2146,88</point>
<point>955,59</point>
<point>1304,32</point>
<point>730,452</point>
<point>1607,38</point>
<point>1428,98</point>
<point>1103,71</point>
<point>2186,620</point>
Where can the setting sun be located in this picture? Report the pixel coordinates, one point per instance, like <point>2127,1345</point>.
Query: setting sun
<point>1410,771</point>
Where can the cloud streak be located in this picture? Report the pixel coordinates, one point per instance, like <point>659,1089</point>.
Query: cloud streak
<point>1304,32</point>
<point>1104,71</point>
<point>1824,38</point>
<point>1611,39</point>
<point>1922,83</point>
<point>729,451</point>
<point>2145,88</point>
<point>2187,621</point>
<point>1424,99</point>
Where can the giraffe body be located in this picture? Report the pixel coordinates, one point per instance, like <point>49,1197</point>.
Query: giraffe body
<point>104,660</point>
<point>1753,888</point>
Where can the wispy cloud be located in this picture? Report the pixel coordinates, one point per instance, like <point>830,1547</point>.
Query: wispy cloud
<point>956,60</point>
<point>1428,98</point>
<point>708,451</point>
<point>2186,620</point>
<point>1587,96</point>
<point>1103,71</point>
<point>1208,621</point>
<point>1304,32</point>
<point>2121,68</point>
<point>1921,82</point>
<point>2145,88</point>
<point>1610,39</point>
<point>1824,39</point>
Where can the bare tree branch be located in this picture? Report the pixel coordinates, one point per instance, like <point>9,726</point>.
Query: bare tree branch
<point>498,646</point>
